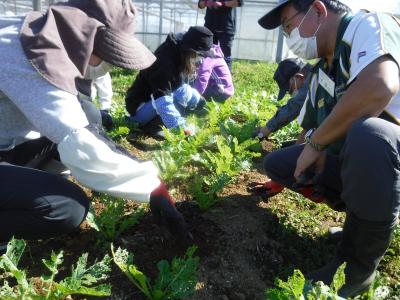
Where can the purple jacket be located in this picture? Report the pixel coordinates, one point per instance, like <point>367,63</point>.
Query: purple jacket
<point>214,73</point>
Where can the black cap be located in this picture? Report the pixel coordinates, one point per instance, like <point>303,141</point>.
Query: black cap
<point>198,39</point>
<point>272,19</point>
<point>287,69</point>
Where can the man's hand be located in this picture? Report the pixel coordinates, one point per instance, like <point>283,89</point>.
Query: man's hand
<point>261,132</point>
<point>309,157</point>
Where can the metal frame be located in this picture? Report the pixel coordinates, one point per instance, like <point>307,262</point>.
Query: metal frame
<point>157,18</point>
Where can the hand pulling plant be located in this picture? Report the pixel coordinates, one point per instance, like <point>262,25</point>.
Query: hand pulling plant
<point>83,280</point>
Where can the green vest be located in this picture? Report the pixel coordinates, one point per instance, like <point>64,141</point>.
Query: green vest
<point>324,101</point>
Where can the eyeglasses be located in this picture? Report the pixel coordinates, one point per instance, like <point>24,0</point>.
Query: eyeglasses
<point>286,24</point>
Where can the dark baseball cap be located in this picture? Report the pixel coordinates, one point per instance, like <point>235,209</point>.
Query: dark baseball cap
<point>272,19</point>
<point>287,69</point>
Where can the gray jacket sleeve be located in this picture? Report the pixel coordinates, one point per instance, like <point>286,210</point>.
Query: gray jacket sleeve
<point>291,110</point>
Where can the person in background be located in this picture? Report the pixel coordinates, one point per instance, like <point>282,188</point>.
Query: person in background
<point>293,77</point>
<point>42,116</point>
<point>354,147</point>
<point>221,20</point>
<point>213,78</point>
<point>101,87</point>
<point>162,90</point>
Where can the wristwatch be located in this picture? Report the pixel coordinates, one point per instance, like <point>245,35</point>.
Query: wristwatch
<point>309,141</point>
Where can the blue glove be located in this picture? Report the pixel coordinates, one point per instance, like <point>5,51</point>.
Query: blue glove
<point>166,109</point>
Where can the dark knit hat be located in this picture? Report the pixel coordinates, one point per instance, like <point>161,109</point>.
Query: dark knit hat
<point>287,69</point>
<point>198,39</point>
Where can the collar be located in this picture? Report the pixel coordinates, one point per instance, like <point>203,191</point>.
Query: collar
<point>344,23</point>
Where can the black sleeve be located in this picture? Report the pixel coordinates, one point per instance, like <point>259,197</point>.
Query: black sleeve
<point>159,77</point>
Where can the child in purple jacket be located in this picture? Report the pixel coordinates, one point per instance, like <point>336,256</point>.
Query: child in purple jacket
<point>214,80</point>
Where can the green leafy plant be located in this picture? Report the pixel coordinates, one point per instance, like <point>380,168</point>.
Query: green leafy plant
<point>222,161</point>
<point>297,288</point>
<point>242,131</point>
<point>231,157</point>
<point>205,189</point>
<point>175,281</point>
<point>114,219</point>
<point>177,152</point>
<point>121,127</point>
<point>287,133</point>
<point>83,280</point>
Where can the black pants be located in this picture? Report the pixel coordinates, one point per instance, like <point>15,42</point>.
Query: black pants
<point>32,154</point>
<point>36,204</point>
<point>225,41</point>
<point>366,175</point>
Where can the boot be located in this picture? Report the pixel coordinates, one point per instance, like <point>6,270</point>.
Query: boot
<point>362,247</point>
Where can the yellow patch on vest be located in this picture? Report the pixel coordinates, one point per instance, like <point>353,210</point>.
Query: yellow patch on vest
<point>321,102</point>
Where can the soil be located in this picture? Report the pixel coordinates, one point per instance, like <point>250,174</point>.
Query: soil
<point>241,245</point>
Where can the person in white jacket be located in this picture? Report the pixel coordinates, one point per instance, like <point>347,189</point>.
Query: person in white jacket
<point>44,59</point>
<point>101,87</point>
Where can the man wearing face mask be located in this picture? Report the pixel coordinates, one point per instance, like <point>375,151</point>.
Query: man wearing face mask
<point>42,117</point>
<point>292,76</point>
<point>353,106</point>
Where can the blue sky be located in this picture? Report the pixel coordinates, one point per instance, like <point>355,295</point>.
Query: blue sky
<point>392,6</point>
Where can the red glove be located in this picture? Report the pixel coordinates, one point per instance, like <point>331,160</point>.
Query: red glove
<point>266,189</point>
<point>166,215</point>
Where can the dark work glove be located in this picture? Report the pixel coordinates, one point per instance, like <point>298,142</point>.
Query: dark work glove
<point>106,119</point>
<point>166,215</point>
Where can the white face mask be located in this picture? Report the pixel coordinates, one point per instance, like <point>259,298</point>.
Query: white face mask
<point>303,47</point>
<point>94,72</point>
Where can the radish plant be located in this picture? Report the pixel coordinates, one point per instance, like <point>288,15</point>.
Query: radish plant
<point>114,218</point>
<point>296,287</point>
<point>82,281</point>
<point>175,280</point>
<point>205,189</point>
